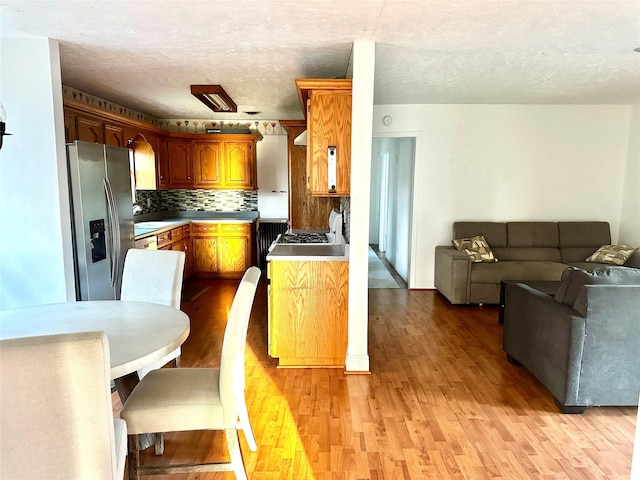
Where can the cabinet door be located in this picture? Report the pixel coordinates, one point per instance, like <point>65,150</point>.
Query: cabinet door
<point>89,130</point>
<point>234,255</point>
<point>205,255</point>
<point>162,163</point>
<point>180,163</point>
<point>69,127</point>
<point>114,135</point>
<point>207,167</point>
<point>239,160</point>
<point>329,124</point>
<point>144,162</point>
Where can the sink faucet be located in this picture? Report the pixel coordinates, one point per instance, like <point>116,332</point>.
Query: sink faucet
<point>137,209</point>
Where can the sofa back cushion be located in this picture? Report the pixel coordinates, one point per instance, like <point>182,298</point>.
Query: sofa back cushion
<point>572,294</point>
<point>532,234</point>
<point>578,240</point>
<point>495,233</point>
<point>532,254</point>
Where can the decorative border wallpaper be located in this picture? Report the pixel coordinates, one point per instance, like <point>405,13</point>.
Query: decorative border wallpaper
<point>152,201</point>
<point>107,106</point>
<point>264,127</point>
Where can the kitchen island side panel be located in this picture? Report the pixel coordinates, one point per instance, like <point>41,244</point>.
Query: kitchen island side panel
<point>308,313</point>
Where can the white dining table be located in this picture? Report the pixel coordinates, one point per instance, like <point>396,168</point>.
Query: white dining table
<point>139,333</point>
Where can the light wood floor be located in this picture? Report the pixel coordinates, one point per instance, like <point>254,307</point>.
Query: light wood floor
<point>441,403</point>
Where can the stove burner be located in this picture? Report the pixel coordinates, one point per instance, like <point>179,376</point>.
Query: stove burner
<point>303,238</point>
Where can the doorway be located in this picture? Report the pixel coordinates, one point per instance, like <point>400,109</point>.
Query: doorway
<point>392,167</point>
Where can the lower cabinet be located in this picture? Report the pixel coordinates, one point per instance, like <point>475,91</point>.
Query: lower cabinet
<point>308,312</point>
<point>179,239</point>
<point>221,250</point>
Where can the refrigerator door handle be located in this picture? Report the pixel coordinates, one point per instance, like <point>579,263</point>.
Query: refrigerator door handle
<point>115,231</point>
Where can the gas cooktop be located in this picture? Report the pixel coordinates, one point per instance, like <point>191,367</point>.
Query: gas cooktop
<point>303,238</point>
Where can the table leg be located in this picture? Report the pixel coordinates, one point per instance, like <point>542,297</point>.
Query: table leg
<point>125,386</point>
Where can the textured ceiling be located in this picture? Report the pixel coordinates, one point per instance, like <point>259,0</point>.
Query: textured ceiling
<point>145,54</point>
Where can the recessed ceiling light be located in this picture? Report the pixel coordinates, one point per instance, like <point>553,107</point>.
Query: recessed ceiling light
<point>214,97</point>
<point>252,112</point>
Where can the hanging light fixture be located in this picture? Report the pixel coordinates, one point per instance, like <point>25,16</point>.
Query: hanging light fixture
<point>3,125</point>
<point>214,97</point>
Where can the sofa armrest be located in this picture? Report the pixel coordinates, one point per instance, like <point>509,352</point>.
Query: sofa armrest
<point>452,276</point>
<point>546,337</point>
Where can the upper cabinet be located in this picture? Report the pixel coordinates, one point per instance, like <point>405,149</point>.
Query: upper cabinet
<point>327,107</point>
<point>217,161</point>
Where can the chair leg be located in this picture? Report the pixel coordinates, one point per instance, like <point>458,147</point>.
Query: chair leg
<point>233,445</point>
<point>245,426</point>
<point>159,443</point>
<point>133,460</point>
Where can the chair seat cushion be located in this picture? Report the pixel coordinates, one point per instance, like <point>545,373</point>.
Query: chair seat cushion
<point>175,399</point>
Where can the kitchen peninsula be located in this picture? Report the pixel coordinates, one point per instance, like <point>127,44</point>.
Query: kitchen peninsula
<point>308,299</point>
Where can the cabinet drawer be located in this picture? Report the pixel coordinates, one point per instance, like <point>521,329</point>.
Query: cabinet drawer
<point>204,229</point>
<point>164,238</point>
<point>239,228</point>
<point>176,234</point>
<point>186,230</point>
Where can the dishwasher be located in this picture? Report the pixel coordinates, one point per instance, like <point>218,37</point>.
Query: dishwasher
<point>147,243</point>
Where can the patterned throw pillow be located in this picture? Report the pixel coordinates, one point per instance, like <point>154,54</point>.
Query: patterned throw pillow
<point>613,254</point>
<point>476,247</point>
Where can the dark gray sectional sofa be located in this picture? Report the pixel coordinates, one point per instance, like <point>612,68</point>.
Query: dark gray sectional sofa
<point>525,251</point>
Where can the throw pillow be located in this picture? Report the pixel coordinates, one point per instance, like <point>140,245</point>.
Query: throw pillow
<point>476,247</point>
<point>613,254</point>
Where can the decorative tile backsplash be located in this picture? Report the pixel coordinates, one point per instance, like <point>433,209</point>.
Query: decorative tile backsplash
<point>152,201</point>
<point>345,205</point>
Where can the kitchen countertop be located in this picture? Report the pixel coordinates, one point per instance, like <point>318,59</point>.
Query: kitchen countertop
<point>307,252</point>
<point>146,228</point>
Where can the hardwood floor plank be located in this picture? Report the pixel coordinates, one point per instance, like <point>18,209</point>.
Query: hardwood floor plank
<point>441,403</point>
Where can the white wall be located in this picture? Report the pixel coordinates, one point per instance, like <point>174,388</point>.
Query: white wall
<point>36,264</point>
<point>509,162</point>
<point>630,216</point>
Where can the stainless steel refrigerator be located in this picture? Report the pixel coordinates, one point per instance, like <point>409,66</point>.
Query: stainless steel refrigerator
<point>102,217</point>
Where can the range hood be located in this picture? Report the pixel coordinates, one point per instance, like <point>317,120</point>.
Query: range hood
<point>301,139</point>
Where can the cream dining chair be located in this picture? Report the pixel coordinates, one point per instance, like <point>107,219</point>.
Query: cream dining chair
<point>182,399</point>
<point>154,276</point>
<point>56,414</point>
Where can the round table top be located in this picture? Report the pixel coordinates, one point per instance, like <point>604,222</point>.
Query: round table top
<point>139,333</point>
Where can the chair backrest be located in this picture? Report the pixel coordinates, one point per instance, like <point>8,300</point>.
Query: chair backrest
<point>55,412</point>
<point>232,375</point>
<point>153,276</point>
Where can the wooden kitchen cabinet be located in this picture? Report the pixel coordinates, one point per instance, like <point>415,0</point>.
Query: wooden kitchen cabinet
<point>89,130</point>
<point>239,165</point>
<point>180,163</point>
<point>327,107</point>
<point>308,312</point>
<point>218,161</point>
<point>207,165</point>
<point>178,238</point>
<point>221,250</point>
<point>114,135</point>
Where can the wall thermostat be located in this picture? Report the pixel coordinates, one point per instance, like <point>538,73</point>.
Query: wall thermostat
<point>387,120</point>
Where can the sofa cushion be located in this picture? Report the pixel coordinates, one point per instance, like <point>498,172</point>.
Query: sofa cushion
<point>532,254</point>
<point>494,232</point>
<point>578,240</point>
<point>532,234</point>
<point>613,254</point>
<point>476,247</point>
<point>573,279</point>
<point>515,270</point>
